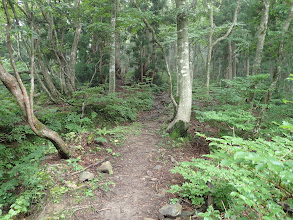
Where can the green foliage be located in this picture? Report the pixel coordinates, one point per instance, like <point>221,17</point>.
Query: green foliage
<point>22,180</point>
<point>116,107</point>
<point>235,118</point>
<point>251,179</point>
<point>12,125</point>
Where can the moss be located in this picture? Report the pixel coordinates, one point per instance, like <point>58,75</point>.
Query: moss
<point>179,130</point>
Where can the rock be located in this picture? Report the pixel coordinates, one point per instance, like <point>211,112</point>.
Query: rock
<point>106,167</point>
<point>175,181</point>
<point>162,192</point>
<point>172,210</point>
<point>86,176</point>
<point>157,167</point>
<point>173,160</point>
<point>148,219</point>
<point>149,173</point>
<point>187,213</point>
<point>70,184</point>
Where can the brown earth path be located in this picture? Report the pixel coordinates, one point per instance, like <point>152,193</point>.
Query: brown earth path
<point>141,176</point>
<point>135,194</point>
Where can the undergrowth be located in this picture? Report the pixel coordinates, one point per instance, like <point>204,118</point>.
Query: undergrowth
<point>23,181</point>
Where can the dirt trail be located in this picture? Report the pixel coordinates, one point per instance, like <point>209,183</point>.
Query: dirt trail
<point>136,194</point>
<point>141,176</point>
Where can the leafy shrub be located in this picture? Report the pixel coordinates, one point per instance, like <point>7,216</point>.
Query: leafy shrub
<point>232,118</point>
<point>251,179</point>
<point>22,180</point>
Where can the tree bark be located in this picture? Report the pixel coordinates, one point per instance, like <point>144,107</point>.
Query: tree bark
<point>180,123</point>
<point>261,35</point>
<point>175,105</point>
<point>212,44</point>
<point>112,75</point>
<point>234,61</point>
<point>18,90</point>
<point>229,67</point>
<point>276,73</point>
<point>74,49</point>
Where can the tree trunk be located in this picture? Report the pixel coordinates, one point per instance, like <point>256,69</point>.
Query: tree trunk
<point>179,125</point>
<point>112,75</point>
<point>212,44</point>
<point>261,35</point>
<point>248,66</point>
<point>73,53</point>
<point>229,67</point>
<point>234,61</point>
<point>276,73</point>
<point>39,129</point>
<point>210,48</point>
<point>18,90</point>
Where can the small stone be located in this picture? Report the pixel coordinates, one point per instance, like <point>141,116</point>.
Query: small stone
<point>149,173</point>
<point>106,167</point>
<point>148,219</point>
<point>174,181</point>
<point>157,167</point>
<point>154,179</point>
<point>187,213</point>
<point>86,176</point>
<point>71,185</point>
<point>172,210</point>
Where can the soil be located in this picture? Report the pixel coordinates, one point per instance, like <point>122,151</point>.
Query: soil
<point>141,175</point>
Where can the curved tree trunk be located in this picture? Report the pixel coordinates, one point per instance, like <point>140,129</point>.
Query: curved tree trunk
<point>40,129</point>
<point>18,90</point>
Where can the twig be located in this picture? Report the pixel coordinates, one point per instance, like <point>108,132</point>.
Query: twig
<point>287,153</point>
<point>95,164</point>
<point>225,209</point>
<point>88,206</point>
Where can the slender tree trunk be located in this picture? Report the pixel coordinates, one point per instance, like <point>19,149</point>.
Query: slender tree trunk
<point>210,47</point>
<point>229,67</point>
<point>191,61</point>
<point>73,53</point>
<point>180,123</point>
<point>112,75</point>
<point>276,73</point>
<point>175,105</point>
<point>248,66</point>
<point>101,65</point>
<point>234,61</point>
<point>212,44</point>
<point>260,35</point>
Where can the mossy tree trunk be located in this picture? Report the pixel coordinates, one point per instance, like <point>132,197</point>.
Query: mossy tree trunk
<point>180,123</point>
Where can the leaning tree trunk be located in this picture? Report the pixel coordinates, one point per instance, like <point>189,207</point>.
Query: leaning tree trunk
<point>18,90</point>
<point>164,58</point>
<point>112,75</point>
<point>39,129</point>
<point>179,125</point>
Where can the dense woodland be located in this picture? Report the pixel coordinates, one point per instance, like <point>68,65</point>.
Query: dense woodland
<point>84,67</point>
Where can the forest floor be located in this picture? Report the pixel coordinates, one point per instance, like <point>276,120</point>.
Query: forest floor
<point>141,177</point>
